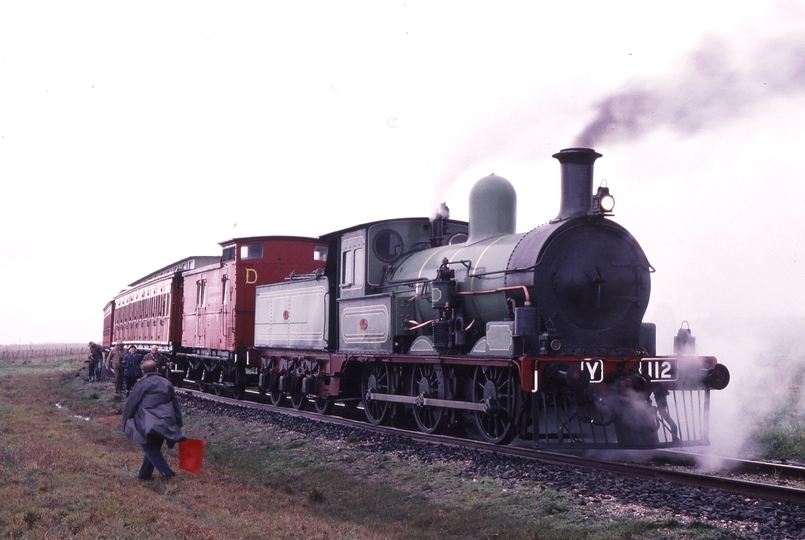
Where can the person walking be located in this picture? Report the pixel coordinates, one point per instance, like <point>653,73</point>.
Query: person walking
<point>131,368</point>
<point>114,361</point>
<point>151,417</point>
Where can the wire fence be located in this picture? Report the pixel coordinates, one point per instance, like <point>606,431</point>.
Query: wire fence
<point>42,350</point>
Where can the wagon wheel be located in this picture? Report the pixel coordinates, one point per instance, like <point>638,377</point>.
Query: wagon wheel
<point>275,394</point>
<point>428,382</point>
<point>377,379</point>
<point>496,387</point>
<point>219,387</point>
<point>265,378</point>
<point>202,385</point>
<point>298,399</point>
<point>323,405</point>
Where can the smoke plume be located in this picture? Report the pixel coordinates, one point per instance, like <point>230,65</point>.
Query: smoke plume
<point>716,83</point>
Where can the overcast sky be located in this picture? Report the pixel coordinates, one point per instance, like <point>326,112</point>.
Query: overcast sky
<point>135,134</point>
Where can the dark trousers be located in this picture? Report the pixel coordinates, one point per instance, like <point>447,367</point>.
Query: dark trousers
<point>152,457</point>
<point>118,379</point>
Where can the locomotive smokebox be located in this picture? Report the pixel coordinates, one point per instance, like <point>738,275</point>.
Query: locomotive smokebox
<point>577,181</point>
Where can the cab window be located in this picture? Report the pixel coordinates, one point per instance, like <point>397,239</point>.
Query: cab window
<point>388,245</point>
<point>251,251</point>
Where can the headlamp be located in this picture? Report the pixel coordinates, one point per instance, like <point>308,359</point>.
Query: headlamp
<point>603,202</point>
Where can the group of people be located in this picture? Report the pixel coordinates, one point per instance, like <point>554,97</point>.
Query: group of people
<point>152,415</point>
<point>126,366</point>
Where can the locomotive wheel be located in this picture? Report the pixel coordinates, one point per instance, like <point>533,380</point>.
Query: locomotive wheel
<point>496,387</point>
<point>323,405</point>
<point>428,382</point>
<point>377,378</point>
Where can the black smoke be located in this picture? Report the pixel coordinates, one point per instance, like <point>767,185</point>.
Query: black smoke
<point>715,84</point>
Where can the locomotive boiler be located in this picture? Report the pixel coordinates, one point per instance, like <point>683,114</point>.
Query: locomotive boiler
<point>578,285</point>
<point>538,334</point>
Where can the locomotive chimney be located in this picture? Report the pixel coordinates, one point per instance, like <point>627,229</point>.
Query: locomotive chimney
<point>577,181</point>
<point>437,225</point>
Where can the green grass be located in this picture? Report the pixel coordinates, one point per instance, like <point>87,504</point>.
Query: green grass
<point>781,435</point>
<point>68,472</point>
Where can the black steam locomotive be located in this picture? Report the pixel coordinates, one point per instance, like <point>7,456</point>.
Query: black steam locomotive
<point>537,335</point>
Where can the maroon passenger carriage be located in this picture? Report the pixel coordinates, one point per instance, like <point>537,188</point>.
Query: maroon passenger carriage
<point>108,322</point>
<point>149,311</point>
<point>199,311</point>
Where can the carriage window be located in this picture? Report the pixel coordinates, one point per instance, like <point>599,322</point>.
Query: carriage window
<point>320,253</point>
<point>251,251</point>
<point>228,254</point>
<point>388,245</point>
<point>224,282</point>
<point>201,292</point>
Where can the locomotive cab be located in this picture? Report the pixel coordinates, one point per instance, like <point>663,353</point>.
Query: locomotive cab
<point>372,313</point>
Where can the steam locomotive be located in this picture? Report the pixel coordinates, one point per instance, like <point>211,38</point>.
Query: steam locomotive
<point>535,335</point>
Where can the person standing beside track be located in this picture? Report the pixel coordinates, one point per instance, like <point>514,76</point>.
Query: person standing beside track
<point>115,362</point>
<point>160,360</point>
<point>131,368</point>
<point>151,417</point>
<point>95,359</point>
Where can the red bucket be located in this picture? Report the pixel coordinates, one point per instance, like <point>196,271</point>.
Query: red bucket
<point>191,454</point>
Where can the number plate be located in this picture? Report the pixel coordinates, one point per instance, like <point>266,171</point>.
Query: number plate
<point>595,368</point>
<point>659,369</point>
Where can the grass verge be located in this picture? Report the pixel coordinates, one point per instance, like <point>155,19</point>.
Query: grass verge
<point>67,471</point>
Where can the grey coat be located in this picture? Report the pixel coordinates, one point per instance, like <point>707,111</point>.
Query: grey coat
<point>115,357</point>
<point>152,407</point>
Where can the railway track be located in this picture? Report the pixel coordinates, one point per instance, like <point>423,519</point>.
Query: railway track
<point>751,488</point>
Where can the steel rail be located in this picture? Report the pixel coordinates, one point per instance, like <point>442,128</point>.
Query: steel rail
<point>731,464</point>
<point>742,487</point>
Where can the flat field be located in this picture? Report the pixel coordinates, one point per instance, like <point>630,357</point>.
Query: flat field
<point>67,471</point>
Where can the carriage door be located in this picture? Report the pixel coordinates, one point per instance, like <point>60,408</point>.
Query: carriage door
<point>227,322</point>
<point>201,312</point>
